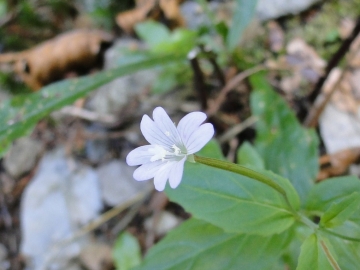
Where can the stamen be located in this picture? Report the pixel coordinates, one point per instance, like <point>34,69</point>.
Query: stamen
<point>177,150</point>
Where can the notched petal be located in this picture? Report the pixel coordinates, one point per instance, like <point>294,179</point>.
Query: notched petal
<point>153,134</point>
<point>176,173</point>
<point>166,125</point>
<point>162,176</point>
<point>147,170</point>
<point>139,155</point>
<point>199,138</point>
<point>189,123</point>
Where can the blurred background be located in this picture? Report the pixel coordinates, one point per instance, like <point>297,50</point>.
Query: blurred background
<point>67,198</point>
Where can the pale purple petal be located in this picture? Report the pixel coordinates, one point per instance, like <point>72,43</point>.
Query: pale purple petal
<point>153,134</point>
<point>166,125</point>
<point>176,173</point>
<point>189,123</point>
<point>199,138</point>
<point>147,170</point>
<point>162,176</point>
<point>139,155</point>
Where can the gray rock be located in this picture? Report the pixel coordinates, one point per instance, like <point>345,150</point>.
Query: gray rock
<point>96,149</point>
<point>22,156</point>
<point>117,183</point>
<point>4,264</point>
<point>195,16</point>
<point>339,130</point>
<point>164,223</point>
<point>271,9</point>
<point>62,196</point>
<point>112,97</point>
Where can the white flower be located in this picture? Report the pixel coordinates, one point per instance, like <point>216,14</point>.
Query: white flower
<point>169,146</point>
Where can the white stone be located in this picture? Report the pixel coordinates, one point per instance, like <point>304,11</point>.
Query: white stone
<point>117,183</point>
<point>62,196</point>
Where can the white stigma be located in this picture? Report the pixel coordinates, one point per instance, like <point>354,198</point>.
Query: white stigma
<point>158,152</point>
<point>177,150</point>
<point>167,133</point>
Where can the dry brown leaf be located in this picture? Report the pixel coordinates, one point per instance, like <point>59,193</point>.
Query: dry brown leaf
<point>171,10</point>
<point>143,10</point>
<point>151,9</point>
<point>77,51</point>
<point>337,163</point>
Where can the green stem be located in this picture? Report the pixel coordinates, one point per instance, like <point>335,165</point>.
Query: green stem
<point>228,166</point>
<point>330,257</point>
<point>303,219</point>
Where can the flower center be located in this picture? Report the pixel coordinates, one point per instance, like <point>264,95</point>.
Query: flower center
<point>177,150</point>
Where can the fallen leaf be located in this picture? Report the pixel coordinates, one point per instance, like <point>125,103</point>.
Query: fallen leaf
<point>151,9</point>
<point>337,163</point>
<point>77,51</point>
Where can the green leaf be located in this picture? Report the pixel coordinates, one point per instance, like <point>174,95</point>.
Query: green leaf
<point>181,41</point>
<point>211,149</point>
<point>286,147</point>
<point>153,33</point>
<point>126,253</point>
<point>328,191</point>
<point>340,211</point>
<point>242,16</point>
<point>16,118</point>
<point>247,155</point>
<point>234,202</point>
<point>316,254</point>
<point>347,252</point>
<point>298,233</point>
<point>199,245</point>
<point>165,82</point>
<point>323,195</point>
<point>161,40</point>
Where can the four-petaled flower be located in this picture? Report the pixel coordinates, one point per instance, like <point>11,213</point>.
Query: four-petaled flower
<point>169,147</point>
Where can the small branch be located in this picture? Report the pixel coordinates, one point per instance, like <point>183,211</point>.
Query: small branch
<point>236,129</point>
<point>89,115</point>
<point>334,61</point>
<point>323,98</point>
<point>61,245</point>
<point>199,82</point>
<point>319,105</point>
<point>212,59</point>
<point>230,86</point>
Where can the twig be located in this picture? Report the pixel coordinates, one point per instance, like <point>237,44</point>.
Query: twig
<point>231,85</point>
<point>319,105</point>
<point>212,59</point>
<point>93,225</point>
<point>127,218</point>
<point>236,129</point>
<point>89,115</point>
<point>334,61</point>
<point>199,82</point>
<point>103,136</point>
<point>323,98</point>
